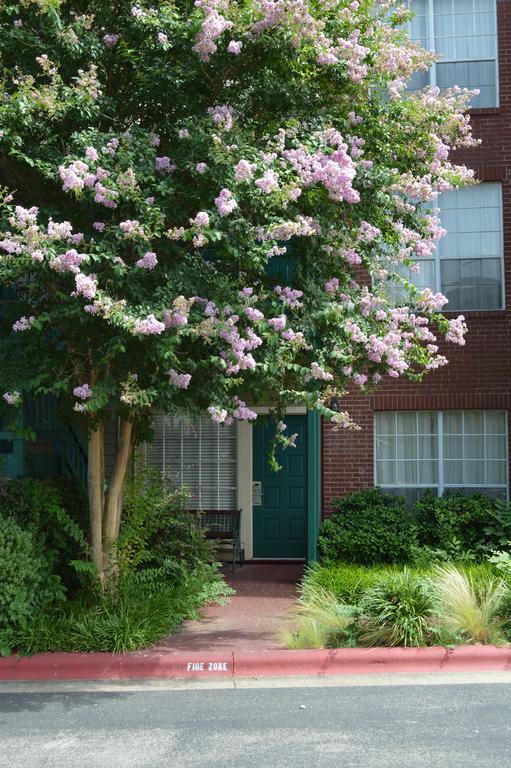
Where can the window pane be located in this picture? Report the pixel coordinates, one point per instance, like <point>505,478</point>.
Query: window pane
<point>406,423</point>
<point>385,423</point>
<point>385,472</point>
<point>474,472</point>
<point>496,446</point>
<point>474,422</point>
<point>474,447</point>
<point>496,472</point>
<point>428,472</point>
<point>407,473</point>
<point>386,447</point>
<point>453,447</point>
<point>453,422</point>
<point>453,472</point>
<point>427,421</point>
<point>406,447</point>
<point>496,422</point>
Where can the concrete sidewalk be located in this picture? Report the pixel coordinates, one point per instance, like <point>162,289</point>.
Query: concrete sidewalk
<point>265,593</point>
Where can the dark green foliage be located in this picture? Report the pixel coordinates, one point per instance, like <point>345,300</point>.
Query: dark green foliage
<point>158,530</point>
<point>26,581</point>
<point>368,527</point>
<point>457,522</point>
<point>55,511</point>
<point>134,616</point>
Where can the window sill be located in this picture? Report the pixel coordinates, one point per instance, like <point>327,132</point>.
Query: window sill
<point>476,313</point>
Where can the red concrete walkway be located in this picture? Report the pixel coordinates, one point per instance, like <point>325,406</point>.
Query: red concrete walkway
<point>251,618</point>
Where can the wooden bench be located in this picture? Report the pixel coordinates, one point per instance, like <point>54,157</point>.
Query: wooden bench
<point>223,525</point>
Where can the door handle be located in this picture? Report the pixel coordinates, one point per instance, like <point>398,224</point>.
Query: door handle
<point>257,493</point>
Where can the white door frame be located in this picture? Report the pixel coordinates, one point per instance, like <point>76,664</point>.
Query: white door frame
<point>244,475</point>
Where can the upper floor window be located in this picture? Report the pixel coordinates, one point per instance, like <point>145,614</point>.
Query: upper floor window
<point>463,33</point>
<point>468,263</point>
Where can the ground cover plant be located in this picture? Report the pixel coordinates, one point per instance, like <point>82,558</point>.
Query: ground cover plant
<point>50,598</point>
<point>342,605</point>
<point>191,191</point>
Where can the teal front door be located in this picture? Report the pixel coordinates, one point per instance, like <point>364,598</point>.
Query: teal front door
<point>280,498</point>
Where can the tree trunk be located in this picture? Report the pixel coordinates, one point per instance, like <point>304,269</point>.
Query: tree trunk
<point>112,514</point>
<point>95,491</point>
<point>105,513</point>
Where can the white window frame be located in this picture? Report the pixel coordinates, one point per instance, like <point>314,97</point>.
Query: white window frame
<point>437,260</point>
<point>441,487</point>
<point>430,36</point>
<point>179,477</point>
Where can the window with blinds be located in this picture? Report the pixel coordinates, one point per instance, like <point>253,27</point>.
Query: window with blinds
<point>199,454</point>
<point>468,264</point>
<point>463,33</point>
<point>440,451</point>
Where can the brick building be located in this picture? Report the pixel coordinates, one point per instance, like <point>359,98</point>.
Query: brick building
<point>451,430</point>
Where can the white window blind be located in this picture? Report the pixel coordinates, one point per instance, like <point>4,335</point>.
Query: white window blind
<point>199,454</point>
<point>441,450</point>
<point>463,33</point>
<point>468,264</point>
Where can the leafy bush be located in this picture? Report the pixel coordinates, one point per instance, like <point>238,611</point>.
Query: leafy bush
<point>55,512</point>
<point>458,523</point>
<point>397,611</point>
<point>157,530</point>
<point>26,581</point>
<point>368,527</point>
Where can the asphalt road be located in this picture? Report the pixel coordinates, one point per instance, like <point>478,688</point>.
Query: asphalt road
<point>377,726</point>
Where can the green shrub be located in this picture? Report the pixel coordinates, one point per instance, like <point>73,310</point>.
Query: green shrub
<point>368,527</point>
<point>26,581</point>
<point>457,523</point>
<point>56,512</point>
<point>158,530</point>
<point>397,611</point>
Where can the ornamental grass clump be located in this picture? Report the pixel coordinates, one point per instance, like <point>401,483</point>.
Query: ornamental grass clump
<point>320,621</point>
<point>397,611</point>
<point>470,611</point>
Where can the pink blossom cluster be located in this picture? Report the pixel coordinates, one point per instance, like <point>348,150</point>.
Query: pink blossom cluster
<point>318,372</point>
<point>225,202</point>
<point>132,228</point>
<point>179,380</point>
<point>334,170</point>
<point>289,296</point>
<point>269,182</point>
<point>367,233</point>
<point>213,25</point>
<point>84,392</point>
<point>164,164</point>
<point>222,116</point>
<point>69,261</point>
<point>149,326</point>
<point>148,261</point>
<point>242,412</point>
<point>86,286</point>
<point>24,323</point>
<point>457,331</point>
<point>12,398</point>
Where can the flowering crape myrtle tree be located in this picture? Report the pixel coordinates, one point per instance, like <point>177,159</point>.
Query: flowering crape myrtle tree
<point>203,203</point>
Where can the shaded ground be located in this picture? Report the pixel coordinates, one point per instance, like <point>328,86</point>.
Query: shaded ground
<point>252,617</point>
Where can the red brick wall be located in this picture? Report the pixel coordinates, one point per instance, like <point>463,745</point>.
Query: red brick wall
<point>478,374</point>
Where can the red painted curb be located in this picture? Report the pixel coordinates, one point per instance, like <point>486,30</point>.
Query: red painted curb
<point>181,664</point>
